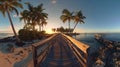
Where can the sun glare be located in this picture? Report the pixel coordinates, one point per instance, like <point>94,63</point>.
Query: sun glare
<point>49,31</point>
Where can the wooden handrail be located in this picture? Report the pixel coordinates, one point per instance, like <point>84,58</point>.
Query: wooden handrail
<point>41,43</point>
<point>75,45</point>
<point>38,58</point>
<point>83,47</point>
<point>80,53</point>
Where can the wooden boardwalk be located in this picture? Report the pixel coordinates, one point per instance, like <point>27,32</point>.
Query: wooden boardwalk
<point>60,52</point>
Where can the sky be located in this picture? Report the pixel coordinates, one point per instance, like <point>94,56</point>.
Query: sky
<point>101,15</point>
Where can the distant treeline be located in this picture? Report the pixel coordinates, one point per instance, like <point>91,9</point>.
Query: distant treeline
<point>62,30</point>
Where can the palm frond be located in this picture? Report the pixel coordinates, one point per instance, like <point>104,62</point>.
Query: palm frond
<point>65,11</point>
<point>16,11</point>
<point>17,4</point>
<point>2,10</point>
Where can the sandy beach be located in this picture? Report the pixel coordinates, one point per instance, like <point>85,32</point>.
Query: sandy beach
<point>9,59</point>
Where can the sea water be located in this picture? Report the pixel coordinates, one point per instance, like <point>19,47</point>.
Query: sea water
<point>89,39</point>
<point>4,35</point>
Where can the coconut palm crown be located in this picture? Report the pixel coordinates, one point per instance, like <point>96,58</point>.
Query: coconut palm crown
<point>78,18</point>
<point>67,16</point>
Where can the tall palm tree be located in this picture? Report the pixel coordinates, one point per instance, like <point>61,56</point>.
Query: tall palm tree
<point>31,16</point>
<point>43,23</point>
<point>24,16</point>
<point>66,16</point>
<point>41,16</point>
<point>34,15</point>
<point>7,6</point>
<point>78,18</point>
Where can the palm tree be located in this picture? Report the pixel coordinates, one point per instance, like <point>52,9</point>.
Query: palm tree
<point>41,16</point>
<point>78,18</point>
<point>54,29</point>
<point>24,16</point>
<point>7,6</point>
<point>36,15</point>
<point>43,23</point>
<point>66,16</point>
<point>31,15</point>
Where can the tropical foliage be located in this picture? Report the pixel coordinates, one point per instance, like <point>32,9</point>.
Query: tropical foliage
<point>62,30</point>
<point>66,16</point>
<point>75,16</point>
<point>8,6</point>
<point>28,35</point>
<point>32,17</point>
<point>78,18</point>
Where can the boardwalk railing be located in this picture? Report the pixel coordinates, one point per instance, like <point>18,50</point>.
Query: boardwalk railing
<point>79,50</point>
<point>41,49</point>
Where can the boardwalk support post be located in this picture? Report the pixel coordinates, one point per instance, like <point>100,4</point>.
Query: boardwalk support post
<point>34,56</point>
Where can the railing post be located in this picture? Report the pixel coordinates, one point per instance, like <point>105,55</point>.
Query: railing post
<point>34,56</point>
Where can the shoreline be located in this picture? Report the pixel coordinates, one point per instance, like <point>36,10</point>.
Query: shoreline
<point>106,54</point>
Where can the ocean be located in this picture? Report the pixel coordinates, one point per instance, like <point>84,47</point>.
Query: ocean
<point>90,40</point>
<point>4,35</point>
<point>84,37</point>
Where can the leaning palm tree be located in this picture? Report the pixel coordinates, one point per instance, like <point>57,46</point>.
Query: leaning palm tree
<point>78,18</point>
<point>7,6</point>
<point>66,16</point>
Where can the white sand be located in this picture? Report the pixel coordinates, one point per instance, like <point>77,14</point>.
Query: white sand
<point>9,59</point>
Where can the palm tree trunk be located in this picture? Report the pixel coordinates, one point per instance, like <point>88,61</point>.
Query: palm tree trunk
<point>33,25</point>
<point>25,25</point>
<point>33,28</point>
<point>42,28</point>
<point>75,26</point>
<point>69,26</point>
<point>39,27</point>
<point>18,40</point>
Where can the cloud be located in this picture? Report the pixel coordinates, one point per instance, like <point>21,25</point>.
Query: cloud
<point>53,1</point>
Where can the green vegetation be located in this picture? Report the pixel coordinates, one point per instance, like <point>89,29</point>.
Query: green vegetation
<point>32,17</point>
<point>7,6</point>
<point>62,30</point>
<point>78,18</point>
<point>68,16</point>
<point>28,35</point>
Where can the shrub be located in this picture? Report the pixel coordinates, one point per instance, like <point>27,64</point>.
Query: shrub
<point>28,35</point>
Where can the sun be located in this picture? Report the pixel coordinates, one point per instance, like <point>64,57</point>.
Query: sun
<point>49,31</point>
